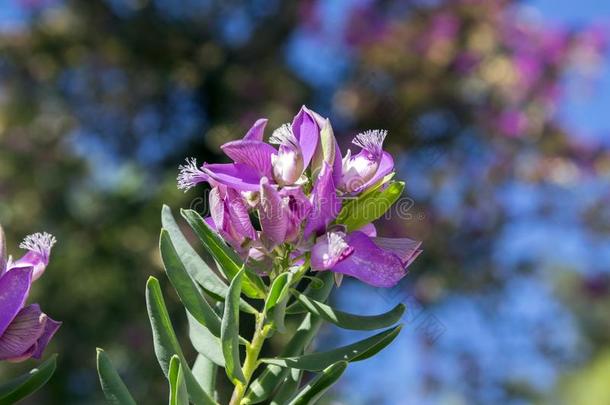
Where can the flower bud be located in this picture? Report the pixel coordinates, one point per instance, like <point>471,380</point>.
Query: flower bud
<point>288,164</point>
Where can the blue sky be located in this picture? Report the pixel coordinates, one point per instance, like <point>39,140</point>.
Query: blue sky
<point>585,111</point>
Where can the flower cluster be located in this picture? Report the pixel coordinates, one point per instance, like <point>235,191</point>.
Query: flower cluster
<point>25,330</point>
<point>274,205</point>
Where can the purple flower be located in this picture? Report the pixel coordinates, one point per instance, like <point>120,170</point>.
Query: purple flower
<point>381,262</point>
<point>367,167</point>
<point>254,159</point>
<point>281,213</point>
<point>25,331</point>
<point>230,217</point>
<point>326,205</point>
<point>296,193</point>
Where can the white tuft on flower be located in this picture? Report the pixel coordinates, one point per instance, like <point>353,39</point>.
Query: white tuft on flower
<point>284,136</point>
<point>40,243</point>
<point>371,141</point>
<point>189,175</point>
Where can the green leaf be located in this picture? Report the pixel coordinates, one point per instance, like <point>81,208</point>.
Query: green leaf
<point>277,300</point>
<point>264,385</point>
<point>229,261</point>
<point>26,384</point>
<point>279,290</point>
<point>325,152</point>
<point>166,343</point>
<point>188,292</point>
<point>314,390</point>
<point>288,387</point>
<point>369,207</point>
<point>229,331</point>
<point>204,342</point>
<point>194,264</point>
<point>177,389</point>
<point>349,321</point>
<point>325,278</point>
<point>205,372</point>
<point>355,352</point>
<point>114,388</point>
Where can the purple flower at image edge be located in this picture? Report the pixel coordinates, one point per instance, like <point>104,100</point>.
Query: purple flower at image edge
<point>25,330</point>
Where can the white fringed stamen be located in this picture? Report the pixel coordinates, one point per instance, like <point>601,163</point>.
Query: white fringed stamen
<point>337,247</point>
<point>190,175</point>
<point>371,141</point>
<point>40,243</point>
<point>284,136</point>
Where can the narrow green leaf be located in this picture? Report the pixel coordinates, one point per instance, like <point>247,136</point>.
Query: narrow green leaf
<point>349,321</point>
<point>166,343</point>
<point>355,352</point>
<point>26,384</point>
<point>229,261</point>
<point>188,292</point>
<point>197,268</point>
<point>114,388</point>
<point>265,385</point>
<point>279,290</point>
<point>229,331</point>
<point>288,387</point>
<point>205,372</point>
<point>325,151</point>
<point>314,390</point>
<point>369,207</point>
<point>204,342</point>
<point>275,306</point>
<point>177,389</point>
<point>314,291</point>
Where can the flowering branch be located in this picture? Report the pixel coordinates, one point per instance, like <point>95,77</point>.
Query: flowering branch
<point>275,216</point>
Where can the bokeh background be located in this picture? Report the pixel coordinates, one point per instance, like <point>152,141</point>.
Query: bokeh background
<point>498,113</point>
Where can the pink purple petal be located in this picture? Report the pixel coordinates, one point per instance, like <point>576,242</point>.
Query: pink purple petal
<point>370,263</point>
<point>386,166</point>
<point>14,288</point>
<point>307,132</point>
<point>19,340</point>
<point>236,175</point>
<point>325,202</point>
<point>255,154</point>
<point>257,131</point>
<point>272,213</point>
<point>50,328</point>
<point>405,248</point>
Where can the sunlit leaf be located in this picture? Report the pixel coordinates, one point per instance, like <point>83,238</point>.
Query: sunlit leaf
<point>224,255</point>
<point>314,390</point>
<point>205,342</point>
<point>190,296</point>
<point>272,376</point>
<point>369,207</point>
<point>177,389</point>
<point>277,300</point>
<point>229,331</point>
<point>204,371</point>
<point>197,268</point>
<point>26,384</point>
<point>355,352</point>
<point>288,387</point>
<point>314,291</point>
<point>350,321</point>
<point>166,343</point>
<point>114,388</point>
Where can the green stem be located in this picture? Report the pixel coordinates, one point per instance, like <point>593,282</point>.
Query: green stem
<point>253,350</point>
